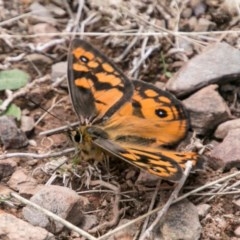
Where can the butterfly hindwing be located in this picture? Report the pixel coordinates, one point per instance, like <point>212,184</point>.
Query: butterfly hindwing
<point>166,114</point>
<point>162,162</point>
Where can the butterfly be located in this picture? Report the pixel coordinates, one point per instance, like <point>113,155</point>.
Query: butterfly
<point>131,120</point>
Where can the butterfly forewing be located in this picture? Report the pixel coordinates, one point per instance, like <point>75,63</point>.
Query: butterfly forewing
<point>97,87</point>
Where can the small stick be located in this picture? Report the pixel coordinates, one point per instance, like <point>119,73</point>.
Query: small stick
<point>59,129</point>
<point>151,207</point>
<point>36,155</point>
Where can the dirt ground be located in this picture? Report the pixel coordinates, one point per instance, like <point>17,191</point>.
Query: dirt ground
<point>36,41</point>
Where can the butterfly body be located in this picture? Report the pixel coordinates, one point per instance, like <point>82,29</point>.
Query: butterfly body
<point>131,120</point>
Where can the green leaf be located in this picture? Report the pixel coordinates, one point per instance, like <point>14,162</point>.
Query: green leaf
<point>13,79</point>
<point>12,110</point>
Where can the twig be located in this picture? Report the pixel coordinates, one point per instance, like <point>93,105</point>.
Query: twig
<point>129,47</point>
<point>8,21</point>
<point>89,20</point>
<point>123,34</point>
<point>207,186</point>
<point>143,58</point>
<point>35,155</point>
<point>162,213</point>
<point>115,209</point>
<point>42,46</point>
<point>53,216</point>
<point>150,207</point>
<point>78,17</point>
<point>59,129</point>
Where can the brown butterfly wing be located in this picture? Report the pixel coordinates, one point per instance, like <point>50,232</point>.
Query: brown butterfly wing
<point>167,115</point>
<point>162,162</point>
<point>97,87</point>
<point>155,117</point>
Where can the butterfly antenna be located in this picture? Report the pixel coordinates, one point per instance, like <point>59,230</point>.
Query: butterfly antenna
<point>45,110</point>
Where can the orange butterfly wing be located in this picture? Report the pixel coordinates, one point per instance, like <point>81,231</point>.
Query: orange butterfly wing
<point>133,125</point>
<point>97,89</point>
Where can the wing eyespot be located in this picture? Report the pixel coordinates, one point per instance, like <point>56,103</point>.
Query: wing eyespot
<point>161,113</point>
<point>83,59</point>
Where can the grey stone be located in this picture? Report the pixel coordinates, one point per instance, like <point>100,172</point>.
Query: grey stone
<point>62,201</point>
<point>207,109</point>
<point>219,63</point>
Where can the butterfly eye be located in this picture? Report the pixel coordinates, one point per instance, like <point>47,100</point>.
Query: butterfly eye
<point>84,59</point>
<point>161,113</point>
<point>77,137</point>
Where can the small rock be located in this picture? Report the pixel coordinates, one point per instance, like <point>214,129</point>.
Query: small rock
<point>58,71</point>
<point>4,191</point>
<point>203,209</point>
<point>237,231</point>
<point>207,109</point>
<point>24,184</point>
<point>40,10</point>
<point>227,153</point>
<point>186,13</point>
<point>56,11</point>
<point>204,25</point>
<point>230,7</point>
<point>13,228</point>
<point>181,222</point>
<point>43,28</point>
<point>186,46</point>
<point>237,203</point>
<point>199,8</point>
<point>27,124</point>
<point>7,167</point>
<point>10,135</point>
<point>60,200</point>
<point>126,233</point>
<point>39,59</point>
<point>219,63</point>
<point>223,129</point>
<point>147,178</point>
<point>89,222</point>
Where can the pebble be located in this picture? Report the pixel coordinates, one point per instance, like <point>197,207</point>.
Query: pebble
<point>207,109</point>
<point>126,233</point>
<point>39,59</point>
<point>27,124</point>
<point>181,222</point>
<point>218,63</point>
<point>227,153</point>
<point>223,129</point>
<point>7,167</point>
<point>237,231</point>
<point>13,228</point>
<point>23,183</point>
<point>204,25</point>
<point>10,135</point>
<point>58,71</point>
<point>62,201</point>
<point>203,209</point>
<point>237,203</point>
<point>43,28</point>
